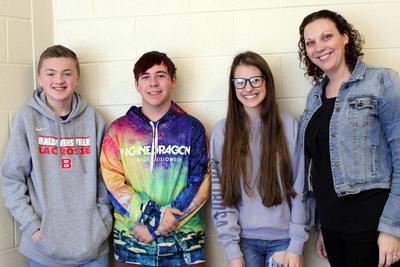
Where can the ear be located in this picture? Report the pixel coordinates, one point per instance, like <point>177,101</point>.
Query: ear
<point>38,79</point>
<point>173,79</point>
<point>135,83</point>
<point>346,38</point>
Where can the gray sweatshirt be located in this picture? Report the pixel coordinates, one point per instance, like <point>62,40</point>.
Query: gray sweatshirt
<point>251,219</point>
<point>51,181</point>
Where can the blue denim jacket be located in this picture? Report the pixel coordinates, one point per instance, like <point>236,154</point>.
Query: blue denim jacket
<point>364,138</point>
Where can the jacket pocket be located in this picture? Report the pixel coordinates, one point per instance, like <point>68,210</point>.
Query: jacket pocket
<point>71,235</point>
<point>362,108</point>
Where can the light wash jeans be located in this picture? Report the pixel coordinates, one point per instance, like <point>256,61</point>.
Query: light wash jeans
<point>101,261</point>
<point>258,253</point>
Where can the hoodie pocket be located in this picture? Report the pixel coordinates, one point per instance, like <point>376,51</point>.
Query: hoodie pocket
<point>67,235</point>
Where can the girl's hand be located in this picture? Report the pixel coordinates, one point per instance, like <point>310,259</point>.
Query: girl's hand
<point>239,262</point>
<point>293,260</point>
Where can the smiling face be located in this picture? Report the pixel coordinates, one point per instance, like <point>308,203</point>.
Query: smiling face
<point>155,86</point>
<point>249,96</point>
<point>325,46</point>
<point>58,76</point>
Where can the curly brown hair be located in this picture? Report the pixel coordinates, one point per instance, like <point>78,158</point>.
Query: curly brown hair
<point>352,49</point>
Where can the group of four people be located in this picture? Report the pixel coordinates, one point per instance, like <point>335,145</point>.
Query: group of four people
<point>62,169</point>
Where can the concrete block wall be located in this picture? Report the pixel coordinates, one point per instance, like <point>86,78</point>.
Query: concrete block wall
<point>19,21</point>
<point>16,83</point>
<point>201,37</point>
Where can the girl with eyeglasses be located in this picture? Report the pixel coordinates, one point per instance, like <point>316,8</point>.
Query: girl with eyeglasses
<point>257,173</point>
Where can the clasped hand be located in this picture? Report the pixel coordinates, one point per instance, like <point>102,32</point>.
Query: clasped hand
<point>169,223</point>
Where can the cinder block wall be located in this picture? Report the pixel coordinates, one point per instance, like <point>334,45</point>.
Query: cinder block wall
<point>201,36</point>
<point>16,83</point>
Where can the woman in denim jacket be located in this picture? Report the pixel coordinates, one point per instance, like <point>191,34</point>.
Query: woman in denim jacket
<point>350,131</point>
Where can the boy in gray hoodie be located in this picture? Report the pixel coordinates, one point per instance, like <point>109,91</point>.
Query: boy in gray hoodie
<point>51,180</point>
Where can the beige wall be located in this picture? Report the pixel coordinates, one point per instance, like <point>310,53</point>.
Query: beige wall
<point>19,21</point>
<point>201,36</point>
<point>16,83</point>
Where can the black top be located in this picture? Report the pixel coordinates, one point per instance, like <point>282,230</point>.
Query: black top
<point>349,214</point>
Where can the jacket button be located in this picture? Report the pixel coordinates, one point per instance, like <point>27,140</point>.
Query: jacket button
<point>333,135</point>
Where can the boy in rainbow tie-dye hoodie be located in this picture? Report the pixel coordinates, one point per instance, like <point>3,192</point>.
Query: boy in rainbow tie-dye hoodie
<point>156,167</point>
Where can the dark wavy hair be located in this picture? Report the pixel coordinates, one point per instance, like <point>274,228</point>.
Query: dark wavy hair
<point>275,177</point>
<point>352,49</point>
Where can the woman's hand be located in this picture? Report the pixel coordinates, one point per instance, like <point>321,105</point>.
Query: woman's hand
<point>389,249</point>
<point>321,247</point>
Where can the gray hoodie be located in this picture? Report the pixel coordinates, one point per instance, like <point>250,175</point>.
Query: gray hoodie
<point>250,218</point>
<point>51,181</point>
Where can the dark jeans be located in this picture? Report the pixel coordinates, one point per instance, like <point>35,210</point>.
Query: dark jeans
<point>359,250</point>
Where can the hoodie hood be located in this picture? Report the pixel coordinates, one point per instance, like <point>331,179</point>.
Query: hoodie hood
<point>39,103</point>
<point>174,111</point>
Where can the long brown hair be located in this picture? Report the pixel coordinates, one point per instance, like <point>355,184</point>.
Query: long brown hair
<point>275,160</point>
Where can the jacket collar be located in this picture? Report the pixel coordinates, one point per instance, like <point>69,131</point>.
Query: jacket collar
<point>357,74</point>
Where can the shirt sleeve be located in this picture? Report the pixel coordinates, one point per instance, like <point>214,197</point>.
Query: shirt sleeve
<point>298,225</point>
<point>196,193</point>
<point>139,208</point>
<point>16,170</point>
<point>103,202</point>
<point>389,116</point>
<point>225,218</point>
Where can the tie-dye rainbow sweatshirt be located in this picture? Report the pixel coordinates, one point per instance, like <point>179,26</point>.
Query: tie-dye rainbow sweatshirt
<point>148,166</point>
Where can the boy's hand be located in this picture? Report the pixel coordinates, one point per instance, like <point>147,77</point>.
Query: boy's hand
<point>35,236</point>
<point>142,233</point>
<point>169,222</point>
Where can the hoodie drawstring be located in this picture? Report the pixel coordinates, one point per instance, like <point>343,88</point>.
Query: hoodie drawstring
<point>154,144</point>
<point>79,156</point>
<point>58,126</point>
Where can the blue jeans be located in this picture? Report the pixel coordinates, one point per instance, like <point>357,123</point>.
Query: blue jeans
<point>101,261</point>
<point>258,253</point>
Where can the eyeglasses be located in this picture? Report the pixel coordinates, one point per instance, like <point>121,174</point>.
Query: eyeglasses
<point>255,82</point>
